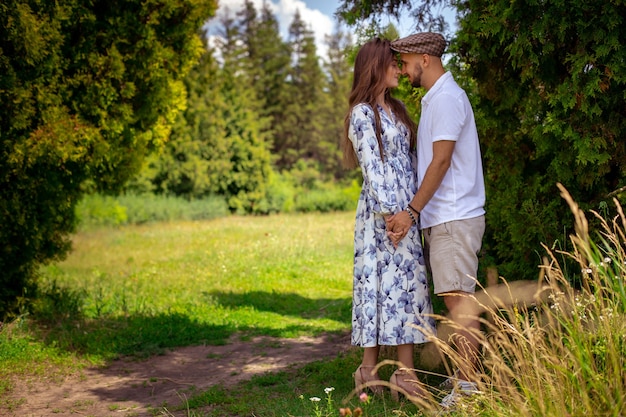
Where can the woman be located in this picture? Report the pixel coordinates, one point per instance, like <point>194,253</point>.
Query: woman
<point>391,303</point>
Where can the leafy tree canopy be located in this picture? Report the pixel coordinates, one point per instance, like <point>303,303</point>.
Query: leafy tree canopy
<point>547,82</point>
<point>87,90</point>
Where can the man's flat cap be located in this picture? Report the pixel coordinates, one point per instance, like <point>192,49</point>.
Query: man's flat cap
<point>421,43</point>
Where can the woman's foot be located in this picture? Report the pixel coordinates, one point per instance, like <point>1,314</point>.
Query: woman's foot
<point>405,382</point>
<point>366,377</point>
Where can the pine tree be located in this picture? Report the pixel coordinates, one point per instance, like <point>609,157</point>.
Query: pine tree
<point>338,69</point>
<point>216,146</point>
<point>268,63</point>
<point>298,132</point>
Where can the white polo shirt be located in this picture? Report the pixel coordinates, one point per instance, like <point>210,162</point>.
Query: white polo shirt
<point>447,115</point>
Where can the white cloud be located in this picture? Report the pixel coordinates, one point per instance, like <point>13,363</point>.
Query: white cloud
<point>284,10</point>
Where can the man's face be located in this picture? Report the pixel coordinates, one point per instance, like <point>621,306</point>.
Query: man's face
<point>412,68</point>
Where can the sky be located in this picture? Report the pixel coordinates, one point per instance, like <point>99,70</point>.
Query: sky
<point>318,14</point>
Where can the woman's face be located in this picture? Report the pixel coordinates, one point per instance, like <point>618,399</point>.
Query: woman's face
<point>392,74</point>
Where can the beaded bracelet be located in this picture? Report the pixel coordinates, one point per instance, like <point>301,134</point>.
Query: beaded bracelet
<point>411,215</point>
<point>412,208</point>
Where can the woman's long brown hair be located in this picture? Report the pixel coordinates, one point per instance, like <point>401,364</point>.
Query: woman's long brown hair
<point>370,68</point>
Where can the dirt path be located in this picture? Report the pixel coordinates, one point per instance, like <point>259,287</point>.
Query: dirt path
<point>135,388</point>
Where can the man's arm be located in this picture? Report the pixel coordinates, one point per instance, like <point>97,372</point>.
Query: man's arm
<point>442,159</point>
<point>399,224</point>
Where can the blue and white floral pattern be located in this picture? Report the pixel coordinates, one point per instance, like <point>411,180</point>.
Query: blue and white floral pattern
<point>391,298</point>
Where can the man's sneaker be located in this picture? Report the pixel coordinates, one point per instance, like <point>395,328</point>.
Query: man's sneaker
<point>449,382</point>
<point>461,389</point>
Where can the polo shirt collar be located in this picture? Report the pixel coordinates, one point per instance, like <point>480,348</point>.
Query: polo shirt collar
<point>437,86</point>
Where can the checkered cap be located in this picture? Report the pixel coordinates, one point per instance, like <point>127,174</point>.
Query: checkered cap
<point>421,43</point>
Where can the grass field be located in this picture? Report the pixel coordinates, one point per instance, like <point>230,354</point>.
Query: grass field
<point>139,290</point>
<point>280,276</point>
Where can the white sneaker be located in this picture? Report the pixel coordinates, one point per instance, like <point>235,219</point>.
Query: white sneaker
<point>449,382</point>
<point>461,389</point>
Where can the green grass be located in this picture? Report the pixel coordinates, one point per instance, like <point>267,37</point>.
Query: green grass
<point>138,290</point>
<point>180,283</point>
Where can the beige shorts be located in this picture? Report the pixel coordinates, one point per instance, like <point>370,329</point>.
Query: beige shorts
<point>451,251</point>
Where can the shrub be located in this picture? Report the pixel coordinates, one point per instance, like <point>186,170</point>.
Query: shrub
<point>326,199</point>
<point>97,210</point>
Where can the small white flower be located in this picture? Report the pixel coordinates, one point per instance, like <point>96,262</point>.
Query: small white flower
<point>315,399</point>
<point>329,390</point>
<point>607,260</point>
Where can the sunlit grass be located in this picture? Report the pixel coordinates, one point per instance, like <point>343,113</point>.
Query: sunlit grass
<point>550,348</point>
<point>137,290</point>
<point>282,275</point>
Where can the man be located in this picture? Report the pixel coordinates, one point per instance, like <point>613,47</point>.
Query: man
<point>450,199</point>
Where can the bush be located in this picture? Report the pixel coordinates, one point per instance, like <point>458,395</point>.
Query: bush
<point>279,197</point>
<point>329,198</point>
<point>97,210</point>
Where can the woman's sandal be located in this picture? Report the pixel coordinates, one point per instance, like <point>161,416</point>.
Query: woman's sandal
<point>365,377</point>
<point>404,382</point>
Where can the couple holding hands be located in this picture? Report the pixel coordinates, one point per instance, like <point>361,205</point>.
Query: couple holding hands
<point>420,181</point>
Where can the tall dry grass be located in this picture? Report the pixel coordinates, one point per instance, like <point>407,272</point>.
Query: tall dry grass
<point>550,348</point>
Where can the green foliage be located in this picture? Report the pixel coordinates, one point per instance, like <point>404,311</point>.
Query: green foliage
<point>280,195</point>
<point>328,198</point>
<point>217,145</point>
<point>97,210</point>
<point>86,92</point>
<point>427,14</point>
<point>338,68</point>
<point>549,94</point>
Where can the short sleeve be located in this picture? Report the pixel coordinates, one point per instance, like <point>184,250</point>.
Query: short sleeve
<point>450,114</point>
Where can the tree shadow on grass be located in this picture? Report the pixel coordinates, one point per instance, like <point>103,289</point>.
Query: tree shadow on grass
<point>143,334</point>
<point>288,304</point>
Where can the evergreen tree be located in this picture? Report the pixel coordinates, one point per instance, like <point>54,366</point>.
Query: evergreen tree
<point>338,69</point>
<point>216,146</point>
<point>268,63</point>
<point>298,132</point>
<point>551,84</point>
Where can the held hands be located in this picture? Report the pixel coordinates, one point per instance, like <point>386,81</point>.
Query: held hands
<point>398,225</point>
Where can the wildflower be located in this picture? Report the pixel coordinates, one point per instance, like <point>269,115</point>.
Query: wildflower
<point>587,271</point>
<point>315,399</point>
<point>343,412</point>
<point>363,397</point>
<point>329,390</point>
<point>358,412</point>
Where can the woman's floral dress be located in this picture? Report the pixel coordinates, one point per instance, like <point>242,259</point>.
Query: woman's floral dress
<point>391,298</point>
